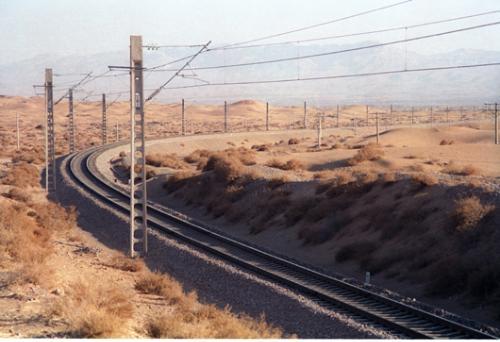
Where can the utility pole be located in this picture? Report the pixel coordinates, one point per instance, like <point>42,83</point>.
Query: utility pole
<point>376,125</point>
<point>338,116</point>
<point>267,116</point>
<point>305,115</point>
<point>391,116</point>
<point>412,115</point>
<point>104,124</point>
<point>447,116</point>
<point>432,118</point>
<point>17,133</point>
<point>366,115</point>
<point>117,132</point>
<point>138,195</point>
<point>496,118</point>
<point>225,116</point>
<point>319,130</point>
<point>50,152</point>
<point>71,116</point>
<point>183,119</point>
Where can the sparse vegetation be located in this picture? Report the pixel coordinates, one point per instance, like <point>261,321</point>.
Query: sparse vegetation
<point>292,164</point>
<point>454,169</point>
<point>469,211</point>
<point>369,152</point>
<point>22,175</point>
<point>165,160</point>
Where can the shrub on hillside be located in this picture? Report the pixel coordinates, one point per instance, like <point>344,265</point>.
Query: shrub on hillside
<point>468,170</point>
<point>292,164</point>
<point>165,160</point>
<point>469,211</point>
<point>22,175</point>
<point>369,152</point>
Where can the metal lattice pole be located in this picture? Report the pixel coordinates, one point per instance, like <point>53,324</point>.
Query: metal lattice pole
<point>104,124</point>
<point>50,152</point>
<point>138,195</point>
<point>338,116</point>
<point>117,132</point>
<point>183,119</point>
<point>71,126</point>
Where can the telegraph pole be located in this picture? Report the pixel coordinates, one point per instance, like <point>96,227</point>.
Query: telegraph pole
<point>50,153</point>
<point>447,116</point>
<point>305,115</point>
<point>18,144</point>
<point>117,132</point>
<point>138,196</point>
<point>366,115</point>
<point>391,116</point>
<point>319,130</point>
<point>71,137</point>
<point>183,119</point>
<point>496,118</point>
<point>412,115</point>
<point>225,116</point>
<point>376,125</point>
<point>432,118</point>
<point>338,116</point>
<point>267,116</point>
<point>104,124</point>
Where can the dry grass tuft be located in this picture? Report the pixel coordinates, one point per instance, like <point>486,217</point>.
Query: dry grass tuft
<point>468,170</point>
<point>369,152</point>
<point>424,179</point>
<point>54,217</point>
<point>96,311</point>
<point>446,142</point>
<point>124,263</point>
<point>33,155</point>
<point>22,175</point>
<point>165,160</point>
<point>196,156</point>
<point>293,141</point>
<point>292,164</point>
<point>209,322</point>
<point>469,211</point>
<point>20,195</point>
<point>160,285</point>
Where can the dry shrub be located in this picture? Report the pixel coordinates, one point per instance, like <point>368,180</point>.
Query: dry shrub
<point>54,217</point>
<point>33,155</point>
<point>225,167</point>
<point>122,154</point>
<point>96,311</point>
<point>293,141</point>
<point>416,168</point>
<point>246,156</point>
<point>20,195</point>
<point>22,175</point>
<point>446,142</point>
<point>260,148</point>
<point>195,156</point>
<point>469,211</point>
<point>292,164</point>
<point>369,152</point>
<point>388,177</point>
<point>165,160</point>
<point>468,170</point>
<point>324,174</point>
<point>424,179</point>
<point>161,285</point>
<point>177,180</point>
<point>124,263</point>
<point>206,321</point>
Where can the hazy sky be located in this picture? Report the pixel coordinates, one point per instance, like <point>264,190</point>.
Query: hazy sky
<point>31,27</point>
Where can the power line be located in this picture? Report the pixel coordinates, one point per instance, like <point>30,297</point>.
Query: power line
<point>286,59</point>
<point>399,28</point>
<point>320,24</point>
<point>157,91</point>
<point>377,73</point>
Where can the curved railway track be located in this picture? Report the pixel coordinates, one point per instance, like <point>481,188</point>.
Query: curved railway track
<point>397,318</point>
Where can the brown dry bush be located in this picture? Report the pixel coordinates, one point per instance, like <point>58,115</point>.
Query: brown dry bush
<point>469,211</point>
<point>177,180</point>
<point>160,285</point>
<point>54,217</point>
<point>19,194</point>
<point>293,141</point>
<point>33,155</point>
<point>369,152</point>
<point>225,167</point>
<point>195,156</point>
<point>424,179</point>
<point>468,170</point>
<point>96,311</point>
<point>124,263</point>
<point>446,142</point>
<point>206,321</point>
<point>292,164</point>
<point>165,160</point>
<point>22,175</point>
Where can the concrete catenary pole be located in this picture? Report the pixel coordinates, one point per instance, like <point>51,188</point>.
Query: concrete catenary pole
<point>366,115</point>
<point>225,116</point>
<point>376,125</point>
<point>432,117</point>
<point>305,114</point>
<point>117,132</point>
<point>18,143</point>
<point>338,116</point>
<point>496,123</point>
<point>267,116</point>
<point>319,130</point>
<point>183,119</point>
<point>138,195</point>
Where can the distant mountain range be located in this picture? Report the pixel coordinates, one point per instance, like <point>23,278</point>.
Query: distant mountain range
<point>464,86</point>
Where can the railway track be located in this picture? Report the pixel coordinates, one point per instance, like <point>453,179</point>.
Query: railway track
<point>397,318</point>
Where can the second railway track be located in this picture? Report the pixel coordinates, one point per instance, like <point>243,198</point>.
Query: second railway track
<point>397,318</point>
